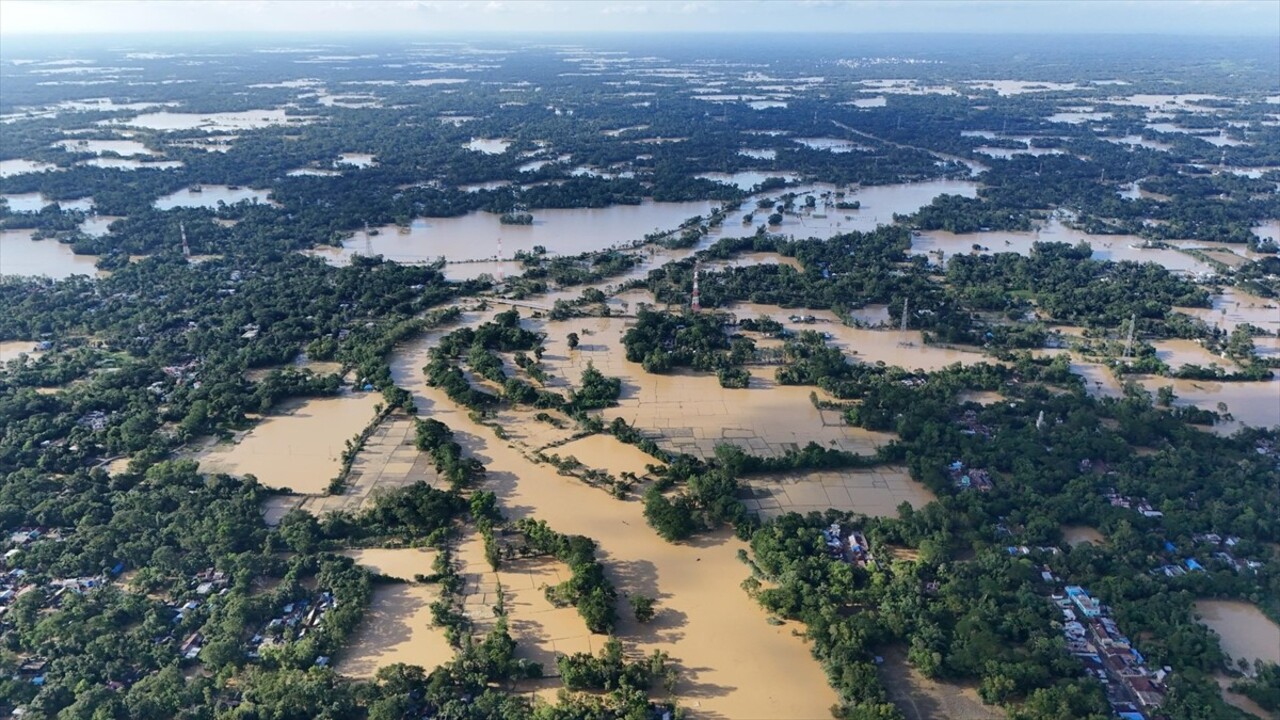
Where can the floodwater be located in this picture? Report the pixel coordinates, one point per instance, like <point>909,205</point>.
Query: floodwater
<point>123,148</point>
<point>759,154</point>
<point>1105,247</point>
<point>12,349</point>
<point>1234,307</point>
<point>1268,230</point>
<point>360,160</point>
<point>1082,534</point>
<point>397,626</point>
<point>115,163</point>
<point>35,202</point>
<point>540,629</point>
<point>1078,117</point>
<point>1176,353</point>
<point>871,102</point>
<point>9,168</point>
<point>20,255</point>
<point>732,663</point>
<point>1139,141</point>
<point>879,203</point>
<point>605,452</point>
<point>835,145</point>
<point>690,412</point>
<point>1252,403</point>
<point>228,121</point>
<point>875,491</point>
<point>98,224</point>
<point>488,146</point>
<point>1168,102</point>
<point>209,196</point>
<point>313,172</point>
<point>1242,629</point>
<point>564,231</point>
<point>747,179</point>
<point>1019,87</point>
<point>892,347</point>
<point>1007,153</point>
<point>299,449</point>
<point>1237,700</point>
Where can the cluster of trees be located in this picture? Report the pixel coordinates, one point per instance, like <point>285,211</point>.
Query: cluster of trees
<point>587,588</point>
<point>661,341</point>
<point>436,439</point>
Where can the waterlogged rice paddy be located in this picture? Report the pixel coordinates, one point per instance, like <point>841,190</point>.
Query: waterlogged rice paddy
<point>876,491</point>
<point>300,447</point>
<point>397,626</point>
<point>732,663</point>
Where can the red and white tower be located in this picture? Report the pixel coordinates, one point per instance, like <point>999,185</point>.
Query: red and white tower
<point>697,297</point>
<point>502,275</point>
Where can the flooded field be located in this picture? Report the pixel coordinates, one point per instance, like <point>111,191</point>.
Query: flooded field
<point>98,224</point>
<point>835,145</point>
<point>116,163</point>
<point>388,461</point>
<point>9,168</point>
<point>605,452</point>
<point>223,121</point>
<point>20,255</point>
<point>688,412</point>
<point>1242,629</point>
<point>300,448</point>
<point>874,491</point>
<point>732,663</point>
<point>35,202</point>
<point>1105,247</point>
<point>1256,404</point>
<point>123,148</point>
<point>397,626</point>
<point>1234,307</point>
<point>1176,353</point>
<point>540,629</point>
<point>355,159</point>
<point>892,347</point>
<point>1081,535</point>
<point>747,179</point>
<point>488,146</point>
<point>475,236</point>
<point>13,349</point>
<point>920,698</point>
<point>879,203</point>
<point>209,196</point>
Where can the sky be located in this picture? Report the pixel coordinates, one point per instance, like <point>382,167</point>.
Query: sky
<point>1171,17</point>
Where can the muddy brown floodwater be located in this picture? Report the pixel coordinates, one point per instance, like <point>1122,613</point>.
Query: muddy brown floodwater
<point>1242,629</point>
<point>20,255</point>
<point>12,349</point>
<point>300,448</point>
<point>733,665</point>
<point>690,412</point>
<point>1081,534</point>
<point>876,491</point>
<point>397,626</point>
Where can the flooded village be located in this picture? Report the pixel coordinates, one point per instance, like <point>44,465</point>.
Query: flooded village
<point>635,386</point>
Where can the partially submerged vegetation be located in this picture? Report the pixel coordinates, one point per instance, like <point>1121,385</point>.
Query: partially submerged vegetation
<point>139,584</point>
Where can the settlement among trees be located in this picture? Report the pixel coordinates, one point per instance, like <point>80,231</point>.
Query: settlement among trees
<point>1047,306</point>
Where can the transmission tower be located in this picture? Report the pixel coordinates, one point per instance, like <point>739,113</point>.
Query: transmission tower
<point>696,305</point>
<point>1133,325</point>
<point>186,249</point>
